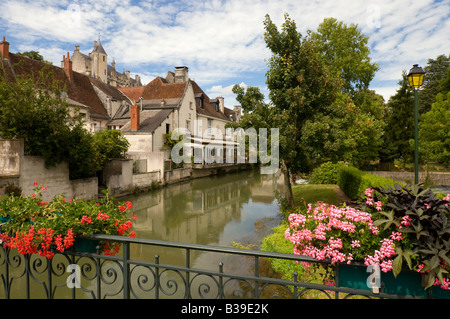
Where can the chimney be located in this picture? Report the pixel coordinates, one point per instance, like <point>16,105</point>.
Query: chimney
<point>221,103</point>
<point>135,117</point>
<point>4,49</point>
<point>237,111</point>
<point>68,67</point>
<point>181,74</point>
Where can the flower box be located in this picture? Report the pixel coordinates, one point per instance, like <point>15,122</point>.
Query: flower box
<point>55,226</point>
<point>407,283</point>
<point>85,245</point>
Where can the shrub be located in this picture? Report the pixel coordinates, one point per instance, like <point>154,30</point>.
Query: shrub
<point>354,182</point>
<point>327,173</point>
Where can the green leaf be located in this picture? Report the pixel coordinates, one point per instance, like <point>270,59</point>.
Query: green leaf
<point>434,262</point>
<point>397,264</point>
<point>443,255</point>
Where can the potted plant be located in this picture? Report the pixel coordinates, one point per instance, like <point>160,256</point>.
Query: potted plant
<point>35,226</point>
<point>384,228</point>
<point>422,219</point>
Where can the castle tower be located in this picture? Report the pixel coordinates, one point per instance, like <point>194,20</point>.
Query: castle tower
<point>99,60</point>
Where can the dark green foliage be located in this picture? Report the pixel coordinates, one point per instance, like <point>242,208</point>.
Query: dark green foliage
<point>110,144</point>
<point>354,182</point>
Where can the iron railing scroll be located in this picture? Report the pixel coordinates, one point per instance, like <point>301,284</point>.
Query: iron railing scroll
<point>78,275</point>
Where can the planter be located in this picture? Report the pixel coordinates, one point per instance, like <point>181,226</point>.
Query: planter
<point>407,283</point>
<point>83,245</point>
<point>4,219</point>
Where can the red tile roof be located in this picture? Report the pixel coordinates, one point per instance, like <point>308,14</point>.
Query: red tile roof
<point>133,93</point>
<point>159,88</point>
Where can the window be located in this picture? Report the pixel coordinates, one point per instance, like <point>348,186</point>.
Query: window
<point>199,100</point>
<point>167,128</point>
<point>188,125</point>
<point>209,123</point>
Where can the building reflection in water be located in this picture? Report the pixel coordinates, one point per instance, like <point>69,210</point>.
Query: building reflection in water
<point>202,211</point>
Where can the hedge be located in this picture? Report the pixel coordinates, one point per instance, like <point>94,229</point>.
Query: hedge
<point>327,173</point>
<point>354,182</point>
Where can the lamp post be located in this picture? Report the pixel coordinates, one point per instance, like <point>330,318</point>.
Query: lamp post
<point>415,79</point>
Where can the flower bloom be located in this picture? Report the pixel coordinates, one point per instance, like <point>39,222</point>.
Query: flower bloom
<point>103,216</point>
<point>355,243</point>
<point>396,236</point>
<point>406,221</point>
<point>86,220</point>
<point>316,241</point>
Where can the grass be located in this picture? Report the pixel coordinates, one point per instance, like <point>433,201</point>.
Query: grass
<point>311,193</point>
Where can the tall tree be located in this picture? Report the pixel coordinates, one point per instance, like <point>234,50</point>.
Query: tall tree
<point>345,50</point>
<point>434,132</point>
<point>435,74</point>
<point>399,124</point>
<point>300,86</point>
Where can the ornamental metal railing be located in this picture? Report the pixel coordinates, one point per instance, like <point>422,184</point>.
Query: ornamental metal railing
<point>80,275</point>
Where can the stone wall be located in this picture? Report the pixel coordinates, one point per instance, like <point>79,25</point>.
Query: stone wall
<point>437,178</point>
<point>177,175</point>
<point>21,172</point>
<point>10,153</point>
<point>144,180</point>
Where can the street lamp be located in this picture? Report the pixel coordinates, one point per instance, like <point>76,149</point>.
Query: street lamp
<point>415,79</point>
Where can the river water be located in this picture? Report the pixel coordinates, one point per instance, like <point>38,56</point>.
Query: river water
<point>218,210</point>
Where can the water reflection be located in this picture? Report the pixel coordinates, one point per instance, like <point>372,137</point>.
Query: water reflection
<point>210,211</point>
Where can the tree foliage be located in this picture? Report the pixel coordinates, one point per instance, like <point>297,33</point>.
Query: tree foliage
<point>399,124</point>
<point>36,112</point>
<point>346,133</point>
<point>434,132</point>
<point>436,72</point>
<point>346,52</point>
<point>300,86</point>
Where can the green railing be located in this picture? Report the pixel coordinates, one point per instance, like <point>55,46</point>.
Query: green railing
<point>79,275</point>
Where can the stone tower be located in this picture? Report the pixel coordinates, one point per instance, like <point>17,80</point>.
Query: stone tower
<point>99,60</point>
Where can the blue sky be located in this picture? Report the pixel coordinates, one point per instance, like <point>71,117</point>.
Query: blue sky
<point>221,41</point>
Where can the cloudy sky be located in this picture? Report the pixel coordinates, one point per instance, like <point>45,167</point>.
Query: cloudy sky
<point>221,41</point>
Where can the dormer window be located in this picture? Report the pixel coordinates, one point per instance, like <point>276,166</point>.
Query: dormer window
<point>199,100</point>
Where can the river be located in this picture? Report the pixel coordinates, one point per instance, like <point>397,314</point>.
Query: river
<point>218,210</point>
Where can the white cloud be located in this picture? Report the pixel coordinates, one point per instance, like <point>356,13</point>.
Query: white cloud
<point>221,41</point>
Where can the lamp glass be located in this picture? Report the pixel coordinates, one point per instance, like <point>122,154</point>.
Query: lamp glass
<point>415,76</point>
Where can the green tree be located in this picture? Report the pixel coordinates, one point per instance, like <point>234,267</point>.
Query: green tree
<point>346,133</point>
<point>36,112</point>
<point>346,52</point>
<point>436,73</point>
<point>434,132</point>
<point>399,124</point>
<point>300,86</point>
<point>110,144</point>
<point>256,112</point>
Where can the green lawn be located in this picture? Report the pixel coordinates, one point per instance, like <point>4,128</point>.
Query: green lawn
<point>311,193</point>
